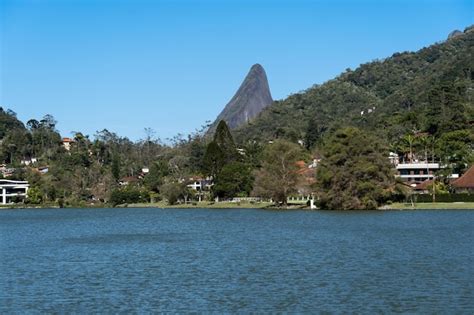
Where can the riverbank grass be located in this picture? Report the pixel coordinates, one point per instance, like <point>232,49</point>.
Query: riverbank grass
<point>430,205</point>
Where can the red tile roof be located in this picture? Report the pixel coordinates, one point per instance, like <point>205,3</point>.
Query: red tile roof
<point>300,164</point>
<point>466,180</point>
<point>423,185</point>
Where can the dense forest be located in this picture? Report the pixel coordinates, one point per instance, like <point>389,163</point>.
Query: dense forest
<point>429,92</point>
<point>417,104</point>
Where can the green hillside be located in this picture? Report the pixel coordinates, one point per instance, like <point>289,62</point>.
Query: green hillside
<point>430,90</point>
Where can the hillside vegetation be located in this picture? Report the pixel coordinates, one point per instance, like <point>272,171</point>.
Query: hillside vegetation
<point>430,91</point>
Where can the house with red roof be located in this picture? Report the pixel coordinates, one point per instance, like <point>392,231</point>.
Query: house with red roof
<point>67,142</point>
<point>465,183</point>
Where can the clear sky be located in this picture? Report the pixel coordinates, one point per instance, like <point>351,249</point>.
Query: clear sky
<point>172,65</point>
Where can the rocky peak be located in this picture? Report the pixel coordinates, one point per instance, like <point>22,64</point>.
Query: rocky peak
<point>250,99</point>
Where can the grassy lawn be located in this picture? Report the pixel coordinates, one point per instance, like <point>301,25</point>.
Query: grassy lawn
<point>430,205</point>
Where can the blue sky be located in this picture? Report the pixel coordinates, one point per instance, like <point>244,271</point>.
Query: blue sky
<point>172,65</point>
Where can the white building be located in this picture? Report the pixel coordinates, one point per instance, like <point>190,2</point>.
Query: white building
<point>415,173</point>
<point>13,188</point>
<point>67,142</point>
<point>28,161</point>
<point>200,184</point>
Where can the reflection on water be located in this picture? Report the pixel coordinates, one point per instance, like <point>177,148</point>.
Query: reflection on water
<point>143,260</point>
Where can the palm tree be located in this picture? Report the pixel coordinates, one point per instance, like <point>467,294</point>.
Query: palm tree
<point>406,145</point>
<point>423,142</point>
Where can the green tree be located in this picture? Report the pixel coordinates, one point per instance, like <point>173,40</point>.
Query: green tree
<point>214,159</point>
<point>278,177</point>
<point>455,149</point>
<point>173,191</point>
<point>34,196</point>
<point>223,138</point>
<point>155,178</point>
<point>235,179</point>
<point>313,133</point>
<point>220,151</point>
<point>129,195</point>
<point>354,172</point>
<point>116,167</point>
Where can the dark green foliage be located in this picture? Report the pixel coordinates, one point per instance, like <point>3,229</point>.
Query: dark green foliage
<point>116,167</point>
<point>155,178</point>
<point>455,149</point>
<point>220,151</point>
<point>354,172</point>
<point>313,134</point>
<point>129,195</point>
<point>197,150</point>
<point>232,173</point>
<point>223,138</point>
<point>235,179</point>
<point>422,198</point>
<point>214,159</point>
<point>8,122</point>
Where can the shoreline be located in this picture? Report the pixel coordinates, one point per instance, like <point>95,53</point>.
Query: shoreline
<point>245,205</point>
<point>430,206</point>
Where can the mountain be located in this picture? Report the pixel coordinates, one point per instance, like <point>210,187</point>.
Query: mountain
<point>431,90</point>
<point>250,99</point>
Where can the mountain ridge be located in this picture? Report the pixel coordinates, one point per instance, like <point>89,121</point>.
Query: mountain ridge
<point>430,90</point>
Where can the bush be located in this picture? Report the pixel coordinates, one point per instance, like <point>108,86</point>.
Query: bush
<point>444,198</point>
<point>129,195</point>
<point>172,192</point>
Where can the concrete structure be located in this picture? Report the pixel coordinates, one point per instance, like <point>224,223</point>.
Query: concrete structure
<point>393,158</point>
<point>200,184</point>
<point>415,173</point>
<point>11,189</point>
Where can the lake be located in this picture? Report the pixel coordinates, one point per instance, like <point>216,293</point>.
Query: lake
<point>201,260</point>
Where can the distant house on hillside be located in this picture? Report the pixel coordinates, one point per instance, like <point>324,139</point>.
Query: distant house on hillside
<point>12,190</point>
<point>43,169</point>
<point>465,183</point>
<point>6,171</point>
<point>29,161</point>
<point>67,142</point>
<point>128,180</point>
<point>199,183</point>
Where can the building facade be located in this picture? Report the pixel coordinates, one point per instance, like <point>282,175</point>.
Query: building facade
<point>415,173</point>
<point>12,190</point>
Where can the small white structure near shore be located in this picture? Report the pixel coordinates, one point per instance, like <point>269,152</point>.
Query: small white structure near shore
<point>13,188</point>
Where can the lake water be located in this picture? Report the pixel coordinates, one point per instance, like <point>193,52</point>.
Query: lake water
<point>200,260</point>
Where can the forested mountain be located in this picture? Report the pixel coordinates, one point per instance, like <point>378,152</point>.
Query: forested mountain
<point>250,99</point>
<point>430,91</point>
